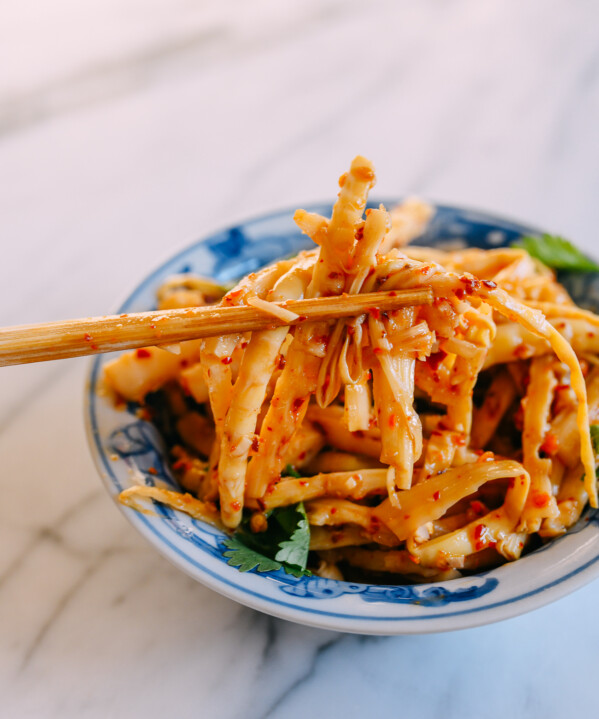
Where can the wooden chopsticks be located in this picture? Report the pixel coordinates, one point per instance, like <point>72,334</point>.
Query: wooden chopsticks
<point>94,335</point>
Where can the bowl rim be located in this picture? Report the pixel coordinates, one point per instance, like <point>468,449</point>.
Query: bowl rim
<point>365,622</point>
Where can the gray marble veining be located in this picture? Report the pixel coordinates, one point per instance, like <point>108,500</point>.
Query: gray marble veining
<point>128,129</point>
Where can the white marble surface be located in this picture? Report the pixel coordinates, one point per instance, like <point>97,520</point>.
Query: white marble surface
<point>129,128</point>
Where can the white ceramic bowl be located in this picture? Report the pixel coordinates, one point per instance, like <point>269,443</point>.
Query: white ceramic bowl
<point>123,445</point>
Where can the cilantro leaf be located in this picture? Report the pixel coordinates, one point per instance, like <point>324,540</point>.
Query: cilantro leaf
<point>557,252</point>
<point>294,551</point>
<point>285,543</point>
<point>595,437</point>
<point>296,571</point>
<point>290,471</point>
<point>246,559</point>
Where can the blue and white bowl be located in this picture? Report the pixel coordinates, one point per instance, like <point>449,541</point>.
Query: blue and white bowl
<point>125,447</point>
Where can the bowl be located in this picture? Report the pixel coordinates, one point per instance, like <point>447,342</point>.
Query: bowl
<point>125,447</point>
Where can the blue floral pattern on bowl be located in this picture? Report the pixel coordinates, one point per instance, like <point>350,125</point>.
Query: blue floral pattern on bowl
<point>198,548</point>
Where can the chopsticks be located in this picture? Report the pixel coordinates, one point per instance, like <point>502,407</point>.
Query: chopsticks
<point>74,338</point>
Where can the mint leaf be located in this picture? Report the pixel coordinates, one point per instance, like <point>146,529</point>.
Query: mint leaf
<point>246,559</point>
<point>294,551</point>
<point>557,252</point>
<point>290,471</point>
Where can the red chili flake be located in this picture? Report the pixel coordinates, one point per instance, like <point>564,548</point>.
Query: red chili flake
<point>269,429</point>
<point>460,293</point>
<point>540,499</point>
<point>143,353</point>
<point>512,483</point>
<point>152,327</point>
<point>243,345</point>
<point>522,351</point>
<point>87,337</point>
<point>377,351</point>
<point>393,293</point>
<point>333,510</point>
<point>392,420</point>
<point>374,312</point>
<point>435,359</point>
<point>406,516</point>
<point>470,283</point>
<point>255,444</point>
<point>236,506</point>
<point>437,496</point>
<point>562,387</point>
<point>477,507</point>
<point>459,440</point>
<point>479,530</point>
<point>152,470</point>
<point>281,362</point>
<point>297,403</point>
<point>301,455</point>
<point>183,464</point>
<point>482,537</point>
<point>302,318</point>
<point>490,284</point>
<point>226,360</point>
<point>303,483</point>
<point>550,444</point>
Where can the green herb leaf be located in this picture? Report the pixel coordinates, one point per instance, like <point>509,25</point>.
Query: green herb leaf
<point>294,551</point>
<point>557,252</point>
<point>285,543</point>
<point>595,437</point>
<point>246,559</point>
<point>290,471</point>
<point>296,571</point>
